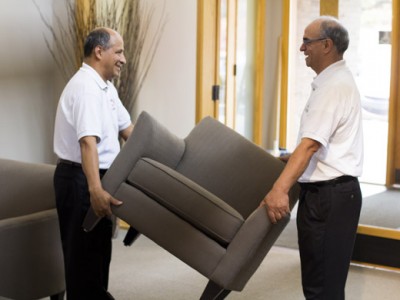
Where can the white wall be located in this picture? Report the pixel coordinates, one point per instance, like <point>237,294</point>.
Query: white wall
<point>30,83</point>
<point>27,100</point>
<point>169,92</point>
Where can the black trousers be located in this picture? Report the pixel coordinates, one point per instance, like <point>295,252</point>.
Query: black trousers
<point>87,256</point>
<point>327,220</point>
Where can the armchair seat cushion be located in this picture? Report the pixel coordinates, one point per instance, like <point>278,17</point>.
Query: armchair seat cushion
<point>188,200</point>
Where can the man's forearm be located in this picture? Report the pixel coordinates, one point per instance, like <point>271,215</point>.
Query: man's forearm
<point>297,164</point>
<point>90,162</point>
<point>277,199</point>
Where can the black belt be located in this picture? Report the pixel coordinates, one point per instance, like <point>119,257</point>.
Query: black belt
<point>69,163</point>
<point>77,165</point>
<point>341,179</point>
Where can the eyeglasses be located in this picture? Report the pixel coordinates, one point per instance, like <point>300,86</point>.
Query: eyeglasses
<point>309,41</point>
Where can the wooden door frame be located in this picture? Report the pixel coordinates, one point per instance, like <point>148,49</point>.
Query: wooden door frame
<point>207,57</point>
<point>393,160</point>
<point>207,62</point>
<point>260,49</point>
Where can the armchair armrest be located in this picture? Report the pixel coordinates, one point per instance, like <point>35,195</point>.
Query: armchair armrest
<point>254,239</point>
<point>31,259</point>
<point>27,220</point>
<point>149,139</point>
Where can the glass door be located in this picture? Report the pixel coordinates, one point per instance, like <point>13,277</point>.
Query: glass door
<point>237,40</point>
<point>246,41</point>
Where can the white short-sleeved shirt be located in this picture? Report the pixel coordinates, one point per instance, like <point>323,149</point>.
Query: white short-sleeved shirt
<point>89,106</point>
<point>332,116</point>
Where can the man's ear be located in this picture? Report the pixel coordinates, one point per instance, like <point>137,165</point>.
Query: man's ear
<point>328,45</point>
<point>98,52</point>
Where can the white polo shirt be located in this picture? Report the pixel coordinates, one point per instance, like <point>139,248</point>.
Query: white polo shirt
<point>332,116</point>
<point>89,106</point>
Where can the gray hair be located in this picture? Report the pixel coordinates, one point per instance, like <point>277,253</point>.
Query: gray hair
<point>331,28</point>
<point>98,37</point>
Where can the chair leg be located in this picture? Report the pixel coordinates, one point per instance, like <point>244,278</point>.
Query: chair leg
<point>131,236</point>
<point>59,296</point>
<point>214,292</point>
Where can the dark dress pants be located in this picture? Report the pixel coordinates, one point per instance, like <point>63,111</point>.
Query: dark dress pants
<point>86,255</point>
<point>327,222</point>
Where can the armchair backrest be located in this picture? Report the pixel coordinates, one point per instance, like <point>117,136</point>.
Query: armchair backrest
<point>228,165</point>
<point>27,183</point>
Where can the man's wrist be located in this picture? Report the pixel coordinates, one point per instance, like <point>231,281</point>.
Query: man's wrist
<point>280,187</point>
<point>95,189</point>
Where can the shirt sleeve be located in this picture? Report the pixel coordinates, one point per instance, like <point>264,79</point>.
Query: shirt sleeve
<point>321,116</point>
<point>124,119</point>
<point>86,119</point>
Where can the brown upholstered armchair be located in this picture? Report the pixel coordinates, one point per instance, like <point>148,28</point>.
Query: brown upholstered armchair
<point>198,198</point>
<point>31,261</point>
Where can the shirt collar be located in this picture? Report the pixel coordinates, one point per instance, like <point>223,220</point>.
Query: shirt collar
<point>93,73</point>
<point>326,73</point>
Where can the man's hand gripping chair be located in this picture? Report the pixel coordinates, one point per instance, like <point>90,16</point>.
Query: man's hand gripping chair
<point>198,198</point>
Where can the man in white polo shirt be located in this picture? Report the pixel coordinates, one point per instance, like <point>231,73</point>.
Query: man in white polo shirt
<point>89,121</point>
<point>326,163</point>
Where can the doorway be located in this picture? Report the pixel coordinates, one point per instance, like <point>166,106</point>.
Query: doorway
<point>237,64</point>
<point>230,63</point>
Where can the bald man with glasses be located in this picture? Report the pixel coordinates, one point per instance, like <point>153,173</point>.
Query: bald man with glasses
<point>326,163</point>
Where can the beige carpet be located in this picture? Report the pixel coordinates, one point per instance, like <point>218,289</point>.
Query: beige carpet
<point>145,271</point>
